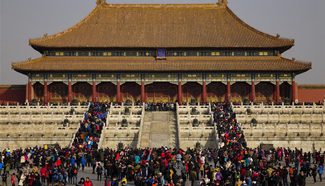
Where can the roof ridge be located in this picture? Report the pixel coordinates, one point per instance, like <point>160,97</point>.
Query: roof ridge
<point>256,30</point>
<point>305,63</point>
<point>162,4</point>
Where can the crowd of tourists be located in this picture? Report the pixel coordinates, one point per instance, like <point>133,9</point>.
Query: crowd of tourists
<point>90,129</point>
<point>232,163</point>
<point>241,165</point>
<point>50,165</point>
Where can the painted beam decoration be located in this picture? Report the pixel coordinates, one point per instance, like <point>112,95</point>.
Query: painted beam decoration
<point>285,77</point>
<point>107,77</point>
<point>216,77</point>
<point>37,78</point>
<point>197,77</point>
<point>82,77</point>
<point>129,77</point>
<point>161,77</point>
<point>57,77</point>
<point>242,77</point>
<point>265,77</point>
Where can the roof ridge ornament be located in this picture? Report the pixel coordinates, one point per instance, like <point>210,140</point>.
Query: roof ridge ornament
<point>223,2</point>
<point>99,2</point>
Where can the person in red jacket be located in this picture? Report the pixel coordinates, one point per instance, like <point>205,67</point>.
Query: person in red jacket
<point>88,182</point>
<point>43,174</point>
<point>13,179</point>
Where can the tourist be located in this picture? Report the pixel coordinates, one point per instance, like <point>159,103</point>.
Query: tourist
<point>99,171</point>
<point>320,171</point>
<point>13,179</point>
<point>314,173</point>
<point>1,166</point>
<point>88,182</point>
<point>301,180</point>
<point>81,182</point>
<point>4,177</point>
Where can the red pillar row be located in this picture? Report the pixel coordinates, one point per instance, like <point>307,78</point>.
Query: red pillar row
<point>143,93</point>
<point>69,91</point>
<point>180,93</point>
<point>228,96</point>
<point>204,92</point>
<point>46,99</point>
<point>253,94</point>
<point>118,92</point>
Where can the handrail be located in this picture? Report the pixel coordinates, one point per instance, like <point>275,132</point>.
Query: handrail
<point>141,126</point>
<point>178,141</point>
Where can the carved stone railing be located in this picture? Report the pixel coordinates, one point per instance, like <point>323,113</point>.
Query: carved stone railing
<point>141,126</point>
<point>178,133</point>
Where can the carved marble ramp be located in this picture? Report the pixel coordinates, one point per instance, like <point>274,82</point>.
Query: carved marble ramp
<point>159,129</point>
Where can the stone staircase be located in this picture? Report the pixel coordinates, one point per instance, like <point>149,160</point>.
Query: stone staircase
<point>159,129</point>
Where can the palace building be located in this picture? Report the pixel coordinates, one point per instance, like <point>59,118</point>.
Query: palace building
<point>161,53</point>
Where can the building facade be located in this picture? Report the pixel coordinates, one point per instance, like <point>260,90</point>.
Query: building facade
<point>161,53</point>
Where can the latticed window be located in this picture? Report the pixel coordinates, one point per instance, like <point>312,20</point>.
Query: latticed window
<point>119,53</point>
<point>107,53</point>
<point>205,53</point>
<point>59,53</point>
<point>215,53</point>
<point>83,53</point>
<point>263,53</point>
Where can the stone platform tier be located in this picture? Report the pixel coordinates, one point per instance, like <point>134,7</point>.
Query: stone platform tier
<point>28,126</point>
<point>300,126</point>
<point>123,126</point>
<point>195,123</point>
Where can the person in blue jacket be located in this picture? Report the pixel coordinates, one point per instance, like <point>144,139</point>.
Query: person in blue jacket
<point>1,167</point>
<point>320,171</point>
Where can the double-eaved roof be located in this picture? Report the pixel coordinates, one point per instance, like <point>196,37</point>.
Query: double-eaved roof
<point>124,26</point>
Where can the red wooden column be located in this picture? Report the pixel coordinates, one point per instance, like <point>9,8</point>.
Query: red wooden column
<point>204,92</point>
<point>277,91</point>
<point>46,99</point>
<point>69,92</point>
<point>29,91</point>
<point>294,91</point>
<point>118,92</point>
<point>180,92</point>
<point>228,96</point>
<point>253,92</point>
<point>94,92</point>
<point>143,92</point>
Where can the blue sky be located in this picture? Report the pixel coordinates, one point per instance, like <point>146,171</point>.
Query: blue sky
<point>302,20</point>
